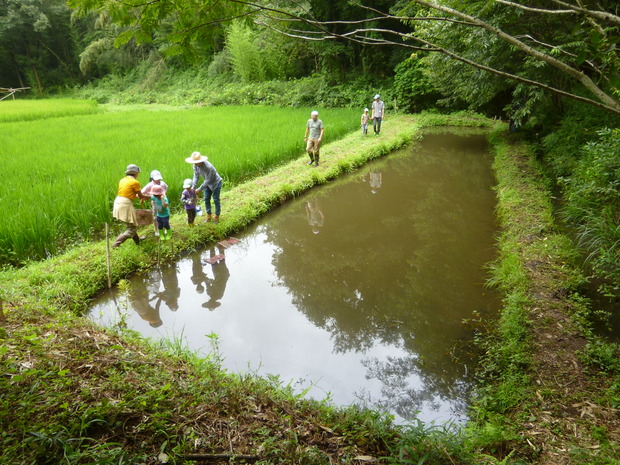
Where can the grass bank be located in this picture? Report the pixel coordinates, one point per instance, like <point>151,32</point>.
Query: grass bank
<point>551,392</point>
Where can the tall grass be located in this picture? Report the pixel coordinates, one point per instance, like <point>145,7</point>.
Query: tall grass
<point>28,110</point>
<point>60,175</point>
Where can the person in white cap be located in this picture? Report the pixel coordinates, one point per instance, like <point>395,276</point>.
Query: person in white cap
<point>128,190</point>
<point>378,113</point>
<point>211,186</point>
<point>313,137</point>
<point>189,199</point>
<point>156,180</point>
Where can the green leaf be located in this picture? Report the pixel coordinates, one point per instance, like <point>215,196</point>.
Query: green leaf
<point>123,38</point>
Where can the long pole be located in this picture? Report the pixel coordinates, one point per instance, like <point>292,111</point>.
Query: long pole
<point>107,241</point>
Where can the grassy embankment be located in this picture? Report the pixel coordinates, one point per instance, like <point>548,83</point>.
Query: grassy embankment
<point>552,391</point>
<point>92,396</point>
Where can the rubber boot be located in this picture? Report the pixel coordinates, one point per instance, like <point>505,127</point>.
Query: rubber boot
<point>311,158</point>
<point>119,240</point>
<point>136,239</point>
<point>168,234</point>
<point>216,219</point>
<point>316,160</point>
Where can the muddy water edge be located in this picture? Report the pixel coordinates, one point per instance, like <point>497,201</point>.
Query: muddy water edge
<point>358,290</point>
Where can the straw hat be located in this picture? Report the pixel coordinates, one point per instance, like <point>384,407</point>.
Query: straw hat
<point>157,190</point>
<point>196,158</point>
<point>132,169</point>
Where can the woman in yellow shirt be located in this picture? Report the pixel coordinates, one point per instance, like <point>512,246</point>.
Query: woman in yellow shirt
<point>128,190</point>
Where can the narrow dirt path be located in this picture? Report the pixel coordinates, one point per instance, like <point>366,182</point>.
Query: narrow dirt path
<point>568,414</point>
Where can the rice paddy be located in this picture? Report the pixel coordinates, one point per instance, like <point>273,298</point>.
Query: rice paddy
<point>27,110</point>
<point>60,174</point>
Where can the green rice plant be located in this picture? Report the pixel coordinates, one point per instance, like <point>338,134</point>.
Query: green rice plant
<point>28,110</point>
<point>61,175</point>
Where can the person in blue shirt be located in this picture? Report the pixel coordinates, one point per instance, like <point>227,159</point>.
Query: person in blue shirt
<point>211,186</point>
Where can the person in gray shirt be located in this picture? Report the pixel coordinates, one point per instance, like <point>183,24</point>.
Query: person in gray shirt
<point>313,137</point>
<point>378,113</point>
<point>211,186</point>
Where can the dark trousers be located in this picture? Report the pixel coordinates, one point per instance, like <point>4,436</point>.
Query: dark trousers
<point>191,215</point>
<point>376,124</point>
<point>163,222</point>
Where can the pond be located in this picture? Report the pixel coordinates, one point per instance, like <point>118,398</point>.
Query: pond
<point>358,290</point>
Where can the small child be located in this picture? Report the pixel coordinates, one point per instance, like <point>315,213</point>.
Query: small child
<point>156,180</point>
<point>365,118</point>
<point>163,212</point>
<point>189,199</point>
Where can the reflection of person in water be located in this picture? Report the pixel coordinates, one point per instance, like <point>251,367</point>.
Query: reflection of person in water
<point>216,286</point>
<point>139,299</point>
<point>374,177</point>
<point>314,215</point>
<point>199,278</point>
<point>171,293</point>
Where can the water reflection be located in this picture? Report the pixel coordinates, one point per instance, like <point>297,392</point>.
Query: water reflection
<point>170,293</point>
<point>140,299</point>
<point>216,286</point>
<point>360,290</point>
<point>314,215</point>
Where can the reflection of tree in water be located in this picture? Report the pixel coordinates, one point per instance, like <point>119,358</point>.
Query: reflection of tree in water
<point>398,268</point>
<point>398,394</point>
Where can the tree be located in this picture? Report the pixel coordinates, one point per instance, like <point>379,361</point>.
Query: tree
<point>580,61</point>
<point>36,43</point>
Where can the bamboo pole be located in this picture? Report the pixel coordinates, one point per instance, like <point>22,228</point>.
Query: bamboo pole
<point>107,241</point>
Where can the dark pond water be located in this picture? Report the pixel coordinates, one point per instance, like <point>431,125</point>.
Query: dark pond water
<point>357,290</point>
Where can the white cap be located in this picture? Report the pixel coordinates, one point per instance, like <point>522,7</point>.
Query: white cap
<point>156,175</point>
<point>365,109</point>
<point>314,113</point>
<point>187,183</point>
<point>377,96</point>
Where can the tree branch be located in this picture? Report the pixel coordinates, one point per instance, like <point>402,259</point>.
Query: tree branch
<point>555,47</point>
<point>431,47</point>
<point>602,15</point>
<point>536,10</point>
<point>588,83</point>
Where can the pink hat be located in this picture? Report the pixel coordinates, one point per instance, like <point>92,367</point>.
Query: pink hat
<point>157,190</point>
